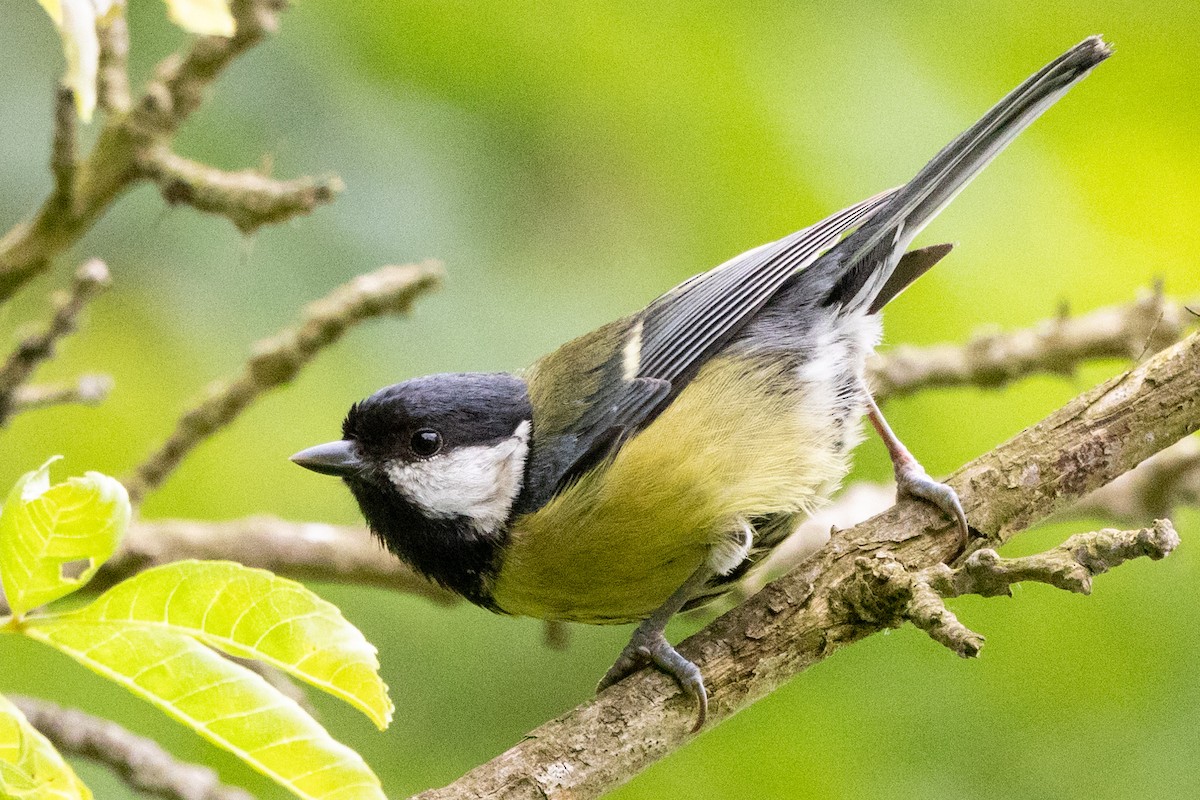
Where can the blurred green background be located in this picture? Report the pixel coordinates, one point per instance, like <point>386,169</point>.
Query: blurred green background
<point>569,161</point>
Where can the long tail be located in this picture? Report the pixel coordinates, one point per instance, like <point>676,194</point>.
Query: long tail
<point>854,272</point>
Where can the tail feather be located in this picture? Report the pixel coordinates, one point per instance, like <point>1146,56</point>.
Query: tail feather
<point>911,266</point>
<point>860,266</point>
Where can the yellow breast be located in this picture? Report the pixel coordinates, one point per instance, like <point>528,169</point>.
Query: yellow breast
<point>741,441</point>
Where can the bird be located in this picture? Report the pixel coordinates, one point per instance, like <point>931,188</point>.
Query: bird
<point>643,468</point>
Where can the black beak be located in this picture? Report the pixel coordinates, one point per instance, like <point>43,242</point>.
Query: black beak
<point>335,458</point>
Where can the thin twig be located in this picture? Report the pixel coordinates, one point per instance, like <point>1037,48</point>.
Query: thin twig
<point>138,761</point>
<point>88,390</point>
<point>247,198</point>
<point>112,84</point>
<point>122,154</point>
<point>90,279</point>
<point>276,361</point>
<point>793,623</point>
<point>280,681</point>
<point>182,80</point>
<point>64,146</point>
<point>1055,346</point>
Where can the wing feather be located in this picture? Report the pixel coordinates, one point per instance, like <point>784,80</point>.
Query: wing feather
<point>676,335</point>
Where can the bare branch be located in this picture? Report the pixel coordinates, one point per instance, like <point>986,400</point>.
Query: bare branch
<point>248,198</point>
<point>1056,346</point>
<point>1153,489</point>
<point>1071,566</point>
<point>90,279</point>
<point>89,390</point>
<point>276,361</point>
<point>121,156</point>
<point>883,592</point>
<point>113,79</point>
<point>63,148</point>
<point>793,623</point>
<point>309,551</point>
<point>183,80</point>
<point>140,762</point>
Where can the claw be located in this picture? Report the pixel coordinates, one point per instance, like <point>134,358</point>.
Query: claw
<point>653,648</point>
<point>912,480</point>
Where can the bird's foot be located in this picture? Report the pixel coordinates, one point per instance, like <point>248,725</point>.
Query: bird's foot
<point>912,480</point>
<point>651,647</point>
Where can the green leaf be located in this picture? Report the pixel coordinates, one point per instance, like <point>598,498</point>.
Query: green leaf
<point>251,613</point>
<point>222,701</point>
<point>30,767</point>
<point>46,532</point>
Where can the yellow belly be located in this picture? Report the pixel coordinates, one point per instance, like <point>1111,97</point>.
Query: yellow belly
<point>733,446</point>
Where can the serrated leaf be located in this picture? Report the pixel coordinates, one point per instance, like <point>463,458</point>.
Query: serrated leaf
<point>225,703</point>
<point>47,531</point>
<point>251,613</point>
<point>208,17</point>
<point>30,767</point>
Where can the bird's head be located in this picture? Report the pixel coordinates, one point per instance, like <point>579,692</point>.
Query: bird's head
<point>435,464</point>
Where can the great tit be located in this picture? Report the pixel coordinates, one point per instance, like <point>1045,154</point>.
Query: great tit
<point>644,467</point>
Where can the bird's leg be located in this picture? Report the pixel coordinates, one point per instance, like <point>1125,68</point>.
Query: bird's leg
<point>648,645</point>
<point>911,478</point>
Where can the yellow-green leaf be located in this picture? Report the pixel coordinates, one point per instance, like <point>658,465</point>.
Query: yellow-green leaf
<point>54,538</point>
<point>209,17</point>
<point>251,613</point>
<point>54,9</point>
<point>222,701</point>
<point>30,767</point>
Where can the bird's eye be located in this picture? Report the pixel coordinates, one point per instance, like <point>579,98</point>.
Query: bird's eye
<point>426,442</point>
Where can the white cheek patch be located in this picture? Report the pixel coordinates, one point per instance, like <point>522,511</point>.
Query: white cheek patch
<point>479,482</point>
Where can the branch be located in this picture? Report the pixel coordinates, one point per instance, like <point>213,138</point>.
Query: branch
<point>794,623</point>
<point>1153,489</point>
<point>140,762</point>
<point>64,147</point>
<point>90,279</point>
<point>135,145</point>
<point>308,551</point>
<point>884,592</point>
<point>992,360</point>
<point>88,390</point>
<point>182,80</point>
<point>280,681</point>
<point>247,198</point>
<point>276,361</point>
<point>112,84</point>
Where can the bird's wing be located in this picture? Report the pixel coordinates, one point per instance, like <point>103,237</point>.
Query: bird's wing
<point>687,325</point>
<point>600,389</point>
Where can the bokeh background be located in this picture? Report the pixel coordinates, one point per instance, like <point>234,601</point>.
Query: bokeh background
<point>569,161</point>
